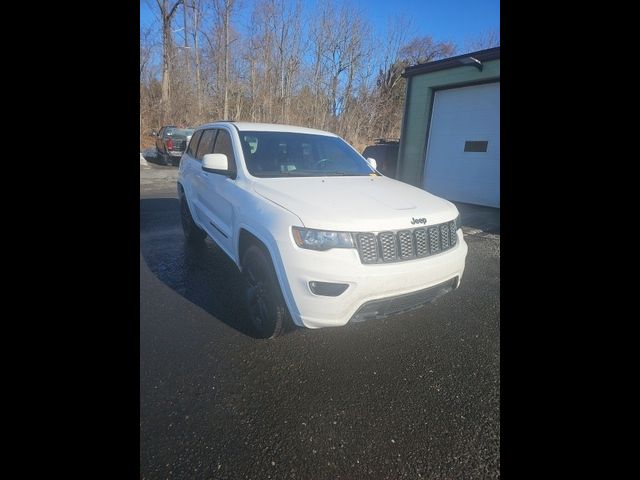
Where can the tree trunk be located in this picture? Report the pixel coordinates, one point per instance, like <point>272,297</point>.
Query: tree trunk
<point>196,48</point>
<point>186,31</point>
<point>166,70</point>
<point>226,61</point>
<point>167,52</point>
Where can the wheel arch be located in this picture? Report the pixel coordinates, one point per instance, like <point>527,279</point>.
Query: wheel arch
<point>248,236</point>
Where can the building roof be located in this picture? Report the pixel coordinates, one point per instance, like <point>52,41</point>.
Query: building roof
<point>453,62</point>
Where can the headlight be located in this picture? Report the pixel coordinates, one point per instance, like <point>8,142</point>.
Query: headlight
<point>321,240</point>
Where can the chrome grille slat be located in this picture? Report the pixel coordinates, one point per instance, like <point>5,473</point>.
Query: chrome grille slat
<point>388,247</point>
<point>405,244</point>
<point>434,240</point>
<point>422,246</point>
<point>367,247</point>
<point>444,236</point>
<point>402,245</point>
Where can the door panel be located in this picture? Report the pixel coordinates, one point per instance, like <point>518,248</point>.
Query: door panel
<point>215,195</point>
<point>189,169</point>
<point>199,186</point>
<point>463,150</point>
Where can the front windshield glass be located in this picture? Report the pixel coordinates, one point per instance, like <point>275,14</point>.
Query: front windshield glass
<point>182,131</point>
<point>284,154</point>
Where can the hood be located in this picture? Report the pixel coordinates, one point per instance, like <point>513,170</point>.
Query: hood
<point>356,204</point>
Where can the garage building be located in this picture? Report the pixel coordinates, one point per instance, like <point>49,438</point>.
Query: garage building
<point>450,141</point>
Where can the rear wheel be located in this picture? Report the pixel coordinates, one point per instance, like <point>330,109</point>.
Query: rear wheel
<point>265,303</point>
<point>192,232</point>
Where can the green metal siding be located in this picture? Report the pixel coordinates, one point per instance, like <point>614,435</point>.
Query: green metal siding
<point>417,112</point>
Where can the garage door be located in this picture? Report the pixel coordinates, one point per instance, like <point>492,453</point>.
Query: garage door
<point>463,149</point>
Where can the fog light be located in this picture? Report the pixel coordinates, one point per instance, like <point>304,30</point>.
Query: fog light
<point>328,289</point>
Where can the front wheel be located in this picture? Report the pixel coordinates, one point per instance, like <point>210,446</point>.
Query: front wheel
<point>265,303</point>
<point>193,233</point>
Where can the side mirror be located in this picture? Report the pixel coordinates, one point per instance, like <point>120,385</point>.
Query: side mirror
<point>372,163</point>
<point>154,133</point>
<point>215,162</point>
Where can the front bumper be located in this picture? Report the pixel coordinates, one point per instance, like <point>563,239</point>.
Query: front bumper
<point>403,303</point>
<point>366,283</point>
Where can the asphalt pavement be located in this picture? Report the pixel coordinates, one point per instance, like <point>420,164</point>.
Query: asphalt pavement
<point>412,396</point>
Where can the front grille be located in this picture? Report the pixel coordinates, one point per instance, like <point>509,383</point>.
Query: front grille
<point>388,247</point>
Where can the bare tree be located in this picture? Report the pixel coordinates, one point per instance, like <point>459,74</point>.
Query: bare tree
<point>340,51</point>
<point>185,29</point>
<point>484,40</point>
<point>317,67</point>
<point>166,14</point>
<point>148,110</point>
<point>284,23</point>
<point>385,100</point>
<point>391,66</point>
<point>196,9</point>
<point>224,10</point>
<point>318,46</point>
<point>425,49</point>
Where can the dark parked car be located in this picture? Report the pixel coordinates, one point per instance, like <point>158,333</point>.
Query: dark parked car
<point>171,142</point>
<point>385,153</point>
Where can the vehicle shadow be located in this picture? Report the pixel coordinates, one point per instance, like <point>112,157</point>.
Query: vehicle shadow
<point>151,156</point>
<point>203,274</point>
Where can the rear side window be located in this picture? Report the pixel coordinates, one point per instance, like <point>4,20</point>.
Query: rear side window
<point>193,144</point>
<point>223,145</point>
<point>206,143</point>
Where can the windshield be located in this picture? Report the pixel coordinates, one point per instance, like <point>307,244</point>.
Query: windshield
<point>284,154</point>
<point>180,131</point>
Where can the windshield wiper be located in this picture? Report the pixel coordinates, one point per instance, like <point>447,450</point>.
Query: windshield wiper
<point>280,174</point>
<point>307,173</point>
<point>342,174</point>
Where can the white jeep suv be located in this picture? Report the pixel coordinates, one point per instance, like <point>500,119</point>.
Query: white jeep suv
<point>320,236</point>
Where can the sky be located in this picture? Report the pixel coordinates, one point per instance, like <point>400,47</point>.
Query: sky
<point>457,20</point>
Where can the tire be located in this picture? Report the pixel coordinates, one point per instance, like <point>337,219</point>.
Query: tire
<point>166,159</point>
<point>193,233</point>
<point>159,157</point>
<point>265,304</point>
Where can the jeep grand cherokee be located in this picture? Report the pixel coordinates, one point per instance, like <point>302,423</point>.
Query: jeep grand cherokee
<point>320,237</point>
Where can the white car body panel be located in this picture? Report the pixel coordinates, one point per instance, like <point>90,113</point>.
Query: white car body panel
<point>354,204</point>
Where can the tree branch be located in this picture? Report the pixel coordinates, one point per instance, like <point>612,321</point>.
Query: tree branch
<point>173,9</point>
